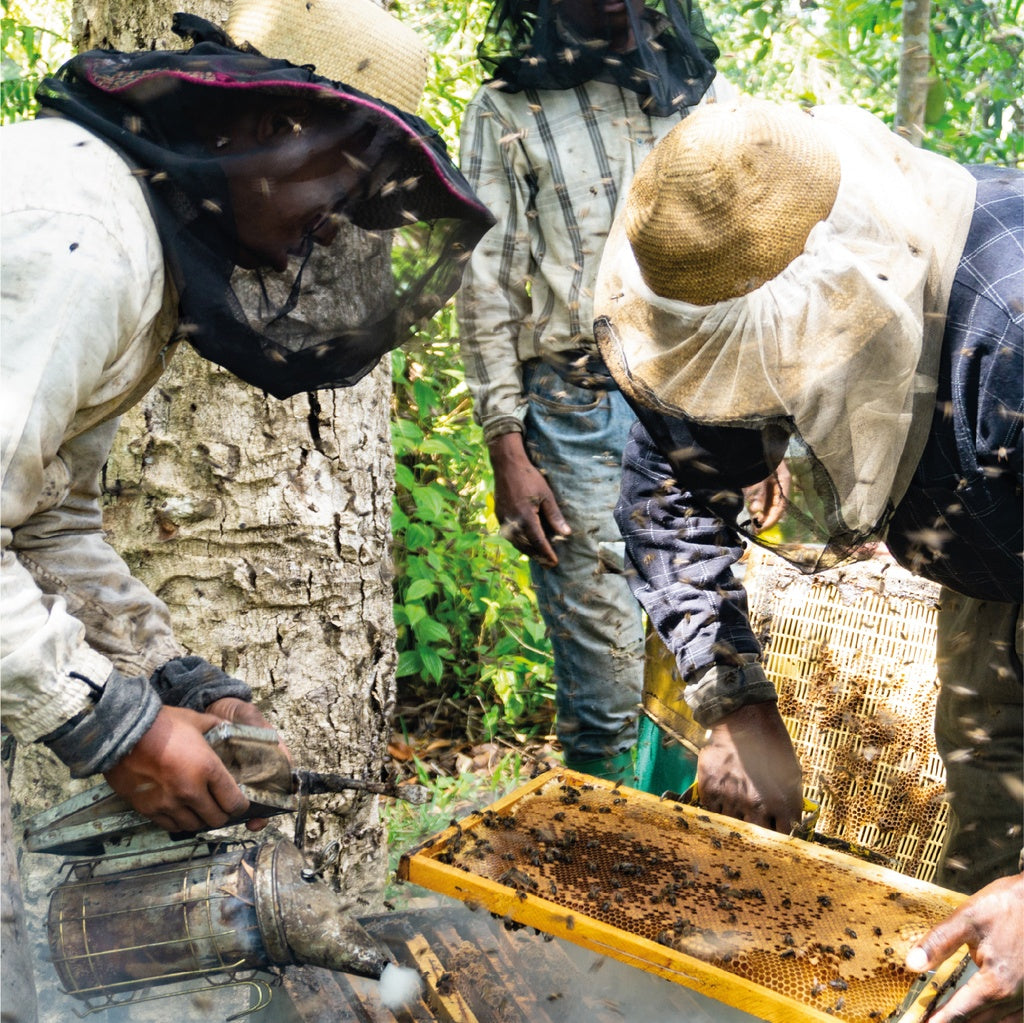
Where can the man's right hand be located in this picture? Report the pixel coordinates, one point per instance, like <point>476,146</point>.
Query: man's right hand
<point>173,776</point>
<point>750,771</point>
<point>523,502</point>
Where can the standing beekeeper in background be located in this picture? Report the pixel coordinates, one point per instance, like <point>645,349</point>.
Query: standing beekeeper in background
<point>579,93</point>
<point>808,289</point>
<point>127,207</point>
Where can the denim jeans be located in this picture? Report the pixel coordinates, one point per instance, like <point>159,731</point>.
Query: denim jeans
<point>575,437</point>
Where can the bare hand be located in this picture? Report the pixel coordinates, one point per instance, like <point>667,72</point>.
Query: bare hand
<point>241,712</point>
<point>766,501</point>
<point>749,769</point>
<point>523,502</point>
<point>991,924</point>
<point>174,777</point>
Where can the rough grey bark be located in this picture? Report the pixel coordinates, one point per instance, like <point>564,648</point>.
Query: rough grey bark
<point>915,65</point>
<point>265,527</point>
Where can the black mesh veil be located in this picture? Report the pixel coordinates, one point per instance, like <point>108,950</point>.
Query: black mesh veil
<point>528,45</point>
<point>411,210</point>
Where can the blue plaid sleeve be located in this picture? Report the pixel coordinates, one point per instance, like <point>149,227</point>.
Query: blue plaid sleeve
<point>679,558</point>
<point>960,522</point>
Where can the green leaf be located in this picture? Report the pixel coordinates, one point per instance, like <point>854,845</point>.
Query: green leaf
<point>429,631</point>
<point>404,476</point>
<point>418,535</point>
<point>432,664</point>
<point>419,589</point>
<point>430,502</point>
<point>415,613</point>
<point>409,663</point>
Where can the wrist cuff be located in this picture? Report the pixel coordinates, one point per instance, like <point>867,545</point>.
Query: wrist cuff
<point>499,427</point>
<point>194,683</point>
<point>97,738</point>
<point>722,688</point>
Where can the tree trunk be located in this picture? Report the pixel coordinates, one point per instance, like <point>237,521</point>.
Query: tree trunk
<point>265,527</point>
<point>915,65</point>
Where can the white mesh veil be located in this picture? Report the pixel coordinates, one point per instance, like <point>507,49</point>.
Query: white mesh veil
<point>835,359</point>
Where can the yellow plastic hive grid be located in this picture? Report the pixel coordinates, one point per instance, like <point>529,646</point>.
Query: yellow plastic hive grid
<point>778,927</point>
<point>851,652</point>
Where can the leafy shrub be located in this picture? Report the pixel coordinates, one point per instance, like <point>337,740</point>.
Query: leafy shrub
<point>468,624</point>
<point>29,52</point>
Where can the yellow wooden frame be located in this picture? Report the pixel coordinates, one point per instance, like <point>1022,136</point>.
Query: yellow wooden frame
<point>422,866</point>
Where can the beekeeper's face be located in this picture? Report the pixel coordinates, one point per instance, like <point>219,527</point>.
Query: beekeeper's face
<point>602,19</point>
<point>291,190</point>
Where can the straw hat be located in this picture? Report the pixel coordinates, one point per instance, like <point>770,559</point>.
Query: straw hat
<point>351,41</point>
<point>727,199</point>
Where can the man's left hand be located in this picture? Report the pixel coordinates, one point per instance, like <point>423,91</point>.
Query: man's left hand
<point>991,924</point>
<point>749,770</point>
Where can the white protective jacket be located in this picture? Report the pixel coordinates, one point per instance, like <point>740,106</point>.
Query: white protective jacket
<point>87,313</point>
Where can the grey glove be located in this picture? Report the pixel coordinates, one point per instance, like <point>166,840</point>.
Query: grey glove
<point>95,740</point>
<point>194,683</point>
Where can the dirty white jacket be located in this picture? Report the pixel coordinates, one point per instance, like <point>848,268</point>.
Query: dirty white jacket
<point>86,317</point>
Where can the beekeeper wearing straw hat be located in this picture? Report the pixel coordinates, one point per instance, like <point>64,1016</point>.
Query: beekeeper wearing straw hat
<point>804,288</point>
<point>127,207</point>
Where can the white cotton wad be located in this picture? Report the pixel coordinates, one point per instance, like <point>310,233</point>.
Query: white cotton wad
<point>399,985</point>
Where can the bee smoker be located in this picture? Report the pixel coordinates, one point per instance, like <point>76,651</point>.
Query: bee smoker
<point>151,910</point>
<point>238,909</point>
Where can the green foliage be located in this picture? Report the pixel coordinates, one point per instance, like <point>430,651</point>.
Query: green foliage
<point>30,50</point>
<point>467,621</point>
<point>976,101</point>
<point>452,31</point>
<point>846,51</point>
<point>451,798</point>
<point>468,624</point>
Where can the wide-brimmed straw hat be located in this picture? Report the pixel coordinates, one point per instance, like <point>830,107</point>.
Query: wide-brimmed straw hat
<point>727,199</point>
<point>351,41</point>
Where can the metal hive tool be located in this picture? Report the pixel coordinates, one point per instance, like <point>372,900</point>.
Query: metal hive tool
<point>772,925</point>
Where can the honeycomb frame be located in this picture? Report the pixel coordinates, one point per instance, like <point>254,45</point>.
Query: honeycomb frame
<point>851,653</point>
<point>772,925</point>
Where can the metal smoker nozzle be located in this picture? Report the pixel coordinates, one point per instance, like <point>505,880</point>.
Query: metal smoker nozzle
<point>302,921</point>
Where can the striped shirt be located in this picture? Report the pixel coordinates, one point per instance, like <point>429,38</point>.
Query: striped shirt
<point>553,166</point>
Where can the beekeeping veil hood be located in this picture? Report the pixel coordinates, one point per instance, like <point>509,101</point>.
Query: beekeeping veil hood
<point>413,217</point>
<point>529,44</point>
<point>788,272</point>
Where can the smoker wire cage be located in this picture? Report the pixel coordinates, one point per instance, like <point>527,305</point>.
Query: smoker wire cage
<point>175,921</point>
<point>851,652</point>
<point>773,925</point>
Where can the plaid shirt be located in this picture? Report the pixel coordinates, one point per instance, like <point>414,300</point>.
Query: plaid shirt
<point>958,524</point>
<point>553,167</point>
